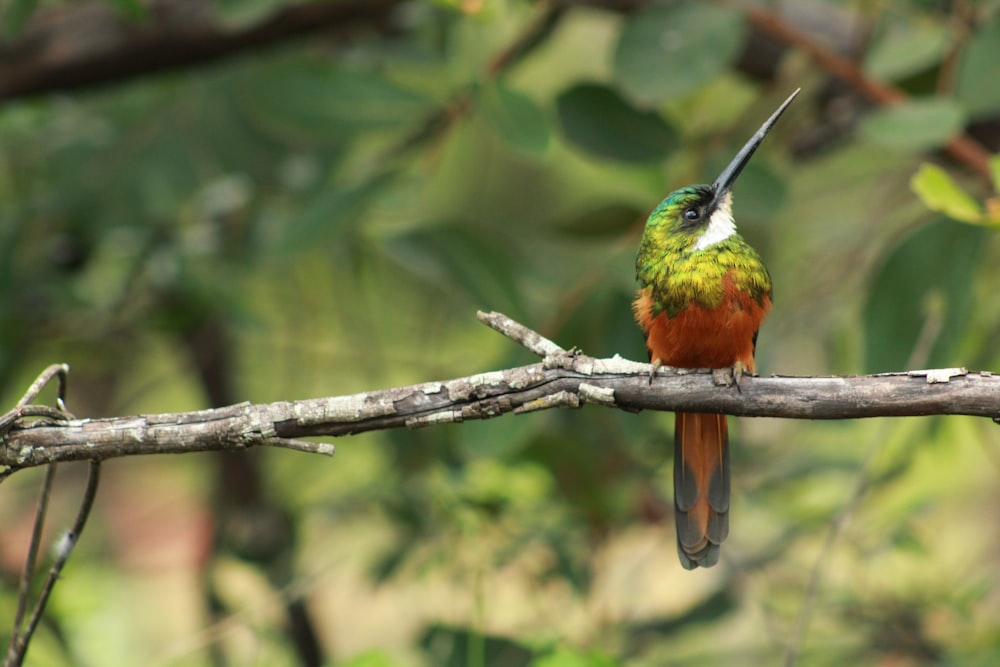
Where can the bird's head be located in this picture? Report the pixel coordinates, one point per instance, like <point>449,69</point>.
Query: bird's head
<point>700,216</point>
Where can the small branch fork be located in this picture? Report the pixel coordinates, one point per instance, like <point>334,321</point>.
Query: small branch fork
<point>24,409</point>
<point>33,435</point>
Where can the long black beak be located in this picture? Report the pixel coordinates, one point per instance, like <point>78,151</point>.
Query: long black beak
<point>724,183</point>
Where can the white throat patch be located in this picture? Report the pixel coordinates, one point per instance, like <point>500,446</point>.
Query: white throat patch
<point>720,225</point>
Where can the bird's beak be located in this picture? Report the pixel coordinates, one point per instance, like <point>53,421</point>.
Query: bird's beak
<point>724,183</point>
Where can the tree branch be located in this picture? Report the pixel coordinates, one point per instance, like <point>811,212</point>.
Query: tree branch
<point>563,379</point>
<point>21,638</point>
<point>74,47</point>
<point>21,633</point>
<point>962,148</point>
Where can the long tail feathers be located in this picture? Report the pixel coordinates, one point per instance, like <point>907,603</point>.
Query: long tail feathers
<point>701,487</point>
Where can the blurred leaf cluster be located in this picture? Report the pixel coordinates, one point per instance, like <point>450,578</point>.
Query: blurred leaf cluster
<point>325,216</point>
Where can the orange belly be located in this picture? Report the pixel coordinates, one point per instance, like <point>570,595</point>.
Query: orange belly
<point>699,337</point>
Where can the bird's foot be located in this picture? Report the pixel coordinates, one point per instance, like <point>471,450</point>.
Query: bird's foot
<point>654,365</point>
<point>731,376</point>
<point>739,370</point>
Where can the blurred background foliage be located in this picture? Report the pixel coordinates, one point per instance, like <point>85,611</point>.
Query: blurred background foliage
<point>324,214</point>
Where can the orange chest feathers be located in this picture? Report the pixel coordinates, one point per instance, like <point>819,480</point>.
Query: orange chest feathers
<point>701,337</point>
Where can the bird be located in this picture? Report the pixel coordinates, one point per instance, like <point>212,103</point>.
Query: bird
<point>703,294</point>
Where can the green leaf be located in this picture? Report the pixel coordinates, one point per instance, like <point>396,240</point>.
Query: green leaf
<point>666,51</point>
<point>133,10</point>
<point>610,221</point>
<point>369,659</point>
<point>598,120</point>
<point>463,647</point>
<point>516,119</point>
<point>566,657</point>
<point>906,49</point>
<point>995,172</point>
<point>328,215</point>
<point>924,286</point>
<point>317,102</point>
<point>917,125</point>
<point>978,70</point>
<point>464,257</point>
<point>940,193</point>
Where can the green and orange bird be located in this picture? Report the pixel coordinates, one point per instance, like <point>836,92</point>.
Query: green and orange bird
<point>704,293</point>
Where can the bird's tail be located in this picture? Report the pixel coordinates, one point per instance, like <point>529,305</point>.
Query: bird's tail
<point>701,487</point>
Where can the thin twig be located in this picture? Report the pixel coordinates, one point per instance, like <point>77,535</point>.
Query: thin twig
<point>12,416</point>
<point>23,408</point>
<point>21,636</point>
<point>517,332</point>
<point>24,589</point>
<point>64,549</point>
<point>307,446</point>
<point>55,370</point>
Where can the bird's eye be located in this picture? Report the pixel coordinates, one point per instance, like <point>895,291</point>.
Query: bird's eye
<point>691,214</point>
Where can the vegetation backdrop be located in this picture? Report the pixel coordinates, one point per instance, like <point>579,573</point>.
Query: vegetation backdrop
<point>254,206</point>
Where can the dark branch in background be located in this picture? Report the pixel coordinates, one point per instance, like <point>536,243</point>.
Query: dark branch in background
<point>71,48</point>
<point>963,148</point>
<point>75,47</point>
<point>564,379</point>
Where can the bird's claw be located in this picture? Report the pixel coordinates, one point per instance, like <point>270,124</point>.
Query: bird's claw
<point>654,365</point>
<point>738,371</point>
<point>729,376</point>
